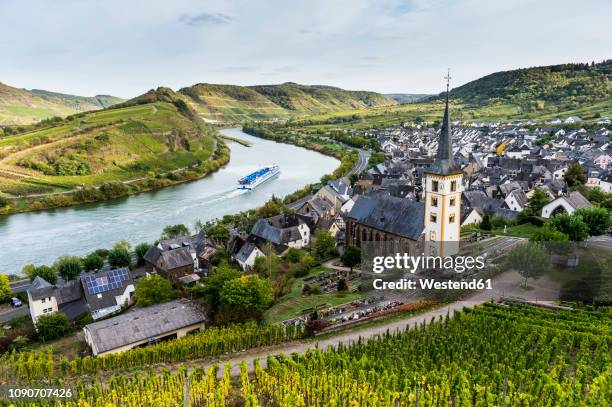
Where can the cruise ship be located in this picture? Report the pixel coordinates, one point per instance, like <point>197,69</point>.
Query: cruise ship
<point>255,178</point>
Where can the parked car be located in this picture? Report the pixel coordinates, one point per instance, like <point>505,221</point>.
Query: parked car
<point>16,302</point>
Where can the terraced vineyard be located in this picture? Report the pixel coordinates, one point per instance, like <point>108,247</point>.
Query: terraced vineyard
<point>129,143</point>
<point>491,355</point>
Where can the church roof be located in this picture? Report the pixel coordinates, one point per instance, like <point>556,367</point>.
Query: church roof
<point>398,216</point>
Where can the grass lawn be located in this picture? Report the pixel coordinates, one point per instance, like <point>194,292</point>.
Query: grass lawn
<point>294,303</point>
<point>524,230</point>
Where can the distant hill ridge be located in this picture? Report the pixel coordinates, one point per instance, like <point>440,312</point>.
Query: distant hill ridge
<point>563,86</point>
<point>22,106</point>
<point>262,102</point>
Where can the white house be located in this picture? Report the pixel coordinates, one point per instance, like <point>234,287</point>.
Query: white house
<point>572,119</point>
<point>516,200</point>
<point>565,203</point>
<point>41,298</point>
<point>604,182</point>
<point>473,217</point>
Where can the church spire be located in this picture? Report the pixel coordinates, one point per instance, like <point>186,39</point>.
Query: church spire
<point>444,162</point>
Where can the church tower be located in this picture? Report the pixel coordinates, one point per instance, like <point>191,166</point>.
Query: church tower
<point>442,185</point>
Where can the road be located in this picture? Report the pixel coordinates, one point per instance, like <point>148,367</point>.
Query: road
<point>13,313</point>
<point>20,286</point>
<point>362,163</point>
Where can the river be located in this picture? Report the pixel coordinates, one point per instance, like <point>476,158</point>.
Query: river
<point>41,237</point>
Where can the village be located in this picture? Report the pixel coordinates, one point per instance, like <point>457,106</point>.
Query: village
<point>442,186</point>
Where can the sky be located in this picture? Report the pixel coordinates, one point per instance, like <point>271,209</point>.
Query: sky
<point>126,47</point>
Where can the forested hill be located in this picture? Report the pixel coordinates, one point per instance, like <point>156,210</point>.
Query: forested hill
<point>264,102</point>
<point>562,86</point>
<point>22,106</point>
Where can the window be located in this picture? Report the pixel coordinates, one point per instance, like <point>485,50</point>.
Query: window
<point>452,202</point>
<point>43,300</point>
<point>433,218</point>
<point>453,186</point>
<point>434,186</point>
<point>451,218</point>
<point>434,201</point>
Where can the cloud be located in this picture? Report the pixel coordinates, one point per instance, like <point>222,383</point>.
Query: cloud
<point>206,19</point>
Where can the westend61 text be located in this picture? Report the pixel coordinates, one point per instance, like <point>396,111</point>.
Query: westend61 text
<point>431,284</point>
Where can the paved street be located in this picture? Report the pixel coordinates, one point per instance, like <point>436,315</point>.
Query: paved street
<point>15,312</point>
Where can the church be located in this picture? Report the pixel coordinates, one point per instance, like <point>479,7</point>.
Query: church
<point>431,225</point>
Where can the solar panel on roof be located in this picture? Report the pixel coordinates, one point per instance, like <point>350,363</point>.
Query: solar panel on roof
<point>112,280</point>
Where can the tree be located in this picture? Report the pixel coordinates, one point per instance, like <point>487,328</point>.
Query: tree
<point>219,233</point>
<point>597,219</point>
<point>54,325</point>
<point>548,233</point>
<point>351,257</point>
<point>531,260</point>
<point>92,262</point>
<point>250,295</point>
<point>572,225</point>
<point>210,289</point>
<point>119,256</point>
<point>153,290</point>
<point>293,255</point>
<point>575,175</point>
<point>172,231</point>
<point>45,272</point>
<point>324,245</point>
<point>69,267</point>
<point>485,224</point>
<point>5,287</point>
<point>538,200</point>
<point>141,249</point>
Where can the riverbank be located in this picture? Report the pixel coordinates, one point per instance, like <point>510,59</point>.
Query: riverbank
<point>117,189</point>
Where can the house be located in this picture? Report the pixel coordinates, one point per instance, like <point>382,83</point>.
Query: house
<point>277,233</point>
<point>516,200</point>
<point>604,182</point>
<point>572,119</point>
<point>107,292</point>
<point>565,203</point>
<point>45,298</point>
<point>290,230</point>
<point>472,216</point>
<point>144,326</point>
<point>179,259</point>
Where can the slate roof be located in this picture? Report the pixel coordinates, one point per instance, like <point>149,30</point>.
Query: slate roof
<point>577,200</point>
<point>143,323</point>
<point>280,229</point>
<point>41,288</point>
<point>173,259</point>
<point>399,216</point>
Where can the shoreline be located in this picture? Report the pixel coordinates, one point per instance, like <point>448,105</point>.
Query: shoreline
<point>220,157</point>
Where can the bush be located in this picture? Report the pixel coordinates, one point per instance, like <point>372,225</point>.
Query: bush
<point>597,219</point>
<point>153,290</point>
<point>119,256</point>
<point>69,267</point>
<point>53,326</point>
<point>141,249</point>
<point>92,262</point>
